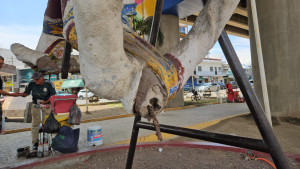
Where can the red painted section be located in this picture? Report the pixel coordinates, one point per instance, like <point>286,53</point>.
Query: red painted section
<point>178,66</point>
<point>53,9</point>
<point>144,42</point>
<point>53,45</point>
<point>139,1</point>
<point>63,6</point>
<point>69,30</point>
<point>185,144</point>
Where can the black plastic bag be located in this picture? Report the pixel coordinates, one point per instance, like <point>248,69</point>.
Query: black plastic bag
<point>66,141</point>
<point>51,124</point>
<point>74,115</point>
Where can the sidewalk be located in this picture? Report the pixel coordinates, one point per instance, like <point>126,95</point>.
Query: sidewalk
<point>119,130</point>
<point>95,111</point>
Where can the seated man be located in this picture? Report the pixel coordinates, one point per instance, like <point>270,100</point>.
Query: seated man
<point>41,90</point>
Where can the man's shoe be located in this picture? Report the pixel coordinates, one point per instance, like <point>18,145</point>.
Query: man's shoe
<point>31,155</point>
<point>23,151</point>
<point>35,146</point>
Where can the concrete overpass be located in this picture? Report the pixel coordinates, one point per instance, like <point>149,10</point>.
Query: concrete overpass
<point>188,10</point>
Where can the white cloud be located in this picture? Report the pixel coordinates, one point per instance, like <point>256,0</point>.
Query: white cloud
<point>26,35</point>
<point>241,46</point>
<point>244,56</point>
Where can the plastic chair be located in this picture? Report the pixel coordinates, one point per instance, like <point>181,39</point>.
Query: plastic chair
<point>62,104</point>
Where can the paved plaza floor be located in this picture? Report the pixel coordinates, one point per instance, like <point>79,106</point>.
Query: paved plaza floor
<point>117,130</point>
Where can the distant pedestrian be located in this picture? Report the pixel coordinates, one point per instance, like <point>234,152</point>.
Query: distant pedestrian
<point>3,92</point>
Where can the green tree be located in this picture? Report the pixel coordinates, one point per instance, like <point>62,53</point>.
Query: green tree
<point>143,27</point>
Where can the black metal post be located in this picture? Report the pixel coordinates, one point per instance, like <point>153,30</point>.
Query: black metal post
<point>133,140</point>
<point>260,119</point>
<point>237,141</point>
<point>156,22</point>
<point>66,61</point>
<point>259,116</point>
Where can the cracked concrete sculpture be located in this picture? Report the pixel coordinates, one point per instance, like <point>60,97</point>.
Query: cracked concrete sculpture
<point>115,63</point>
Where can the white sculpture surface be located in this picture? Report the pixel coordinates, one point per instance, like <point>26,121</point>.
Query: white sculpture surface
<point>114,62</point>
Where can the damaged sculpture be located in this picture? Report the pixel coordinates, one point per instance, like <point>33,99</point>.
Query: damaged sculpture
<point>116,63</point>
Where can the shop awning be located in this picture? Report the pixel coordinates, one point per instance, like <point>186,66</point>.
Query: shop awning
<point>72,83</point>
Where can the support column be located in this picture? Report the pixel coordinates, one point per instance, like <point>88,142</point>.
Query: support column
<point>169,25</point>
<point>279,30</point>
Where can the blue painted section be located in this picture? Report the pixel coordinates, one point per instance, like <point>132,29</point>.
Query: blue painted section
<point>169,4</point>
<point>181,8</point>
<point>171,11</point>
<point>129,9</point>
<point>189,82</point>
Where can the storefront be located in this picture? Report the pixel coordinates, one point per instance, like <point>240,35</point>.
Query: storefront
<point>73,86</point>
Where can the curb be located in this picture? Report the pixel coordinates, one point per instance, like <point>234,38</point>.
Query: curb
<point>165,136</point>
<point>82,155</point>
<point>83,121</point>
<point>96,104</point>
<point>116,117</point>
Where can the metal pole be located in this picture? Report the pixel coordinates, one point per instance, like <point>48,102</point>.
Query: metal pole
<point>134,137</point>
<point>237,141</point>
<point>193,82</point>
<point>261,62</point>
<point>254,106</point>
<point>156,22</point>
<point>86,100</point>
<point>66,61</point>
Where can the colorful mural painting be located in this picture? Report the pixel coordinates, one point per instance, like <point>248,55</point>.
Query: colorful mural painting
<point>145,8</point>
<point>159,64</point>
<point>128,13</point>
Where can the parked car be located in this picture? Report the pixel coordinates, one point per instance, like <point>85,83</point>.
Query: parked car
<point>222,85</point>
<point>82,93</point>
<point>2,99</point>
<point>61,93</point>
<point>197,86</point>
<point>234,84</point>
<point>209,87</point>
<point>200,84</point>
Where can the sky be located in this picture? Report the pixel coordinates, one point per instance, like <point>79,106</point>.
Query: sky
<point>21,21</point>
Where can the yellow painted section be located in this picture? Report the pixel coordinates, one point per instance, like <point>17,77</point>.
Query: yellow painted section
<point>73,38</point>
<point>146,8</point>
<point>17,130</point>
<point>107,118</point>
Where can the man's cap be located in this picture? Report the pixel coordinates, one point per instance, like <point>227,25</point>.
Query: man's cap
<point>37,76</point>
